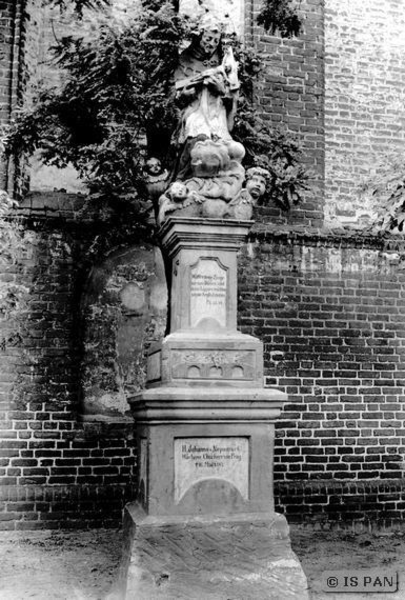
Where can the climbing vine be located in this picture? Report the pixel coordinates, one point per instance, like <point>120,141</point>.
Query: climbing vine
<point>116,106</point>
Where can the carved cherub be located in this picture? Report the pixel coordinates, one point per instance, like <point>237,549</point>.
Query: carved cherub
<point>178,198</point>
<point>242,206</point>
<point>156,177</point>
<point>256,182</point>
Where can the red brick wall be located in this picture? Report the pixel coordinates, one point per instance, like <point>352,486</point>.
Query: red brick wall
<point>330,311</point>
<point>10,34</point>
<point>364,98</point>
<point>291,94</point>
<point>56,469</point>
<point>20,30</point>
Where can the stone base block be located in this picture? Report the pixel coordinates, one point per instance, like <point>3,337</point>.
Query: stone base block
<point>247,557</point>
<point>196,357</point>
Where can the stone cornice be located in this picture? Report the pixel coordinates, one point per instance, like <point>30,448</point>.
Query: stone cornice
<point>343,237</point>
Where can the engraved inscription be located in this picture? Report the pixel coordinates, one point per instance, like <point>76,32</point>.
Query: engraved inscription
<point>208,291</point>
<point>198,459</point>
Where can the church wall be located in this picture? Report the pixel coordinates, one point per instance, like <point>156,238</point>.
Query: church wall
<point>364,102</point>
<point>72,354</point>
<point>330,311</point>
<point>290,95</point>
<point>328,304</point>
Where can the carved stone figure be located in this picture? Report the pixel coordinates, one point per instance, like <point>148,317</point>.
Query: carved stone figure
<point>216,189</point>
<point>256,182</point>
<point>241,207</point>
<point>207,89</point>
<point>178,198</point>
<point>156,177</point>
<point>209,176</point>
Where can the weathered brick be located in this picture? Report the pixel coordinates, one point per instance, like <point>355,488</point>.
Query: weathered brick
<point>332,304</point>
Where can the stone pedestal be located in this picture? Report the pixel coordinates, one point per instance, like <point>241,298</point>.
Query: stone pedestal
<point>203,525</point>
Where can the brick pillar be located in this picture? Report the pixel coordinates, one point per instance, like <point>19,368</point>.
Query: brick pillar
<point>19,34</point>
<point>10,37</point>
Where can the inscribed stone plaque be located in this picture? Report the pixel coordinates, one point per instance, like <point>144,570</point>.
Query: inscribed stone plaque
<point>208,291</point>
<point>198,459</point>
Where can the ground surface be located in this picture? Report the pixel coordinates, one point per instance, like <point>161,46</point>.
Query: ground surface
<point>82,565</point>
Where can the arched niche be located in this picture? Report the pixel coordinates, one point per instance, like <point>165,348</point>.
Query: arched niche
<point>123,310</point>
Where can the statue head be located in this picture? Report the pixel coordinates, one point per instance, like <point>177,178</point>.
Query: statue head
<point>153,166</point>
<point>256,181</point>
<point>178,191</point>
<point>210,31</point>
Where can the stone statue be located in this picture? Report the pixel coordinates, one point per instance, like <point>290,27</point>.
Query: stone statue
<point>156,177</point>
<point>241,207</point>
<point>178,198</point>
<point>208,178</point>
<point>214,193</point>
<point>207,89</point>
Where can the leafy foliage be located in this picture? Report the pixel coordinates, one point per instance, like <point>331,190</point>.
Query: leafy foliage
<point>275,15</point>
<point>279,16</point>
<point>79,5</point>
<point>118,87</point>
<point>274,149</point>
<point>117,106</point>
<point>384,193</point>
<point>12,241</point>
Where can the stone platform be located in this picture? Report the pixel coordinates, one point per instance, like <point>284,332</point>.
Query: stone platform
<point>242,557</point>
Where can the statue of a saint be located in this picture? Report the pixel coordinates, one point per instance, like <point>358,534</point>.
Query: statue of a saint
<point>207,89</point>
<point>208,179</point>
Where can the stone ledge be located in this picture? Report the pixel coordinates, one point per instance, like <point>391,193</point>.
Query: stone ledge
<point>207,404</point>
<point>325,236</point>
<point>51,204</point>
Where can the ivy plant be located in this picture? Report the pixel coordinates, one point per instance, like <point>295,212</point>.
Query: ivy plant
<point>280,16</point>
<point>276,16</point>
<point>13,241</point>
<point>383,193</point>
<point>117,106</point>
<point>79,5</point>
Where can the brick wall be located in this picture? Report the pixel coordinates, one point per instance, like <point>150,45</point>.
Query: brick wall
<point>329,308</point>
<point>10,88</point>
<point>291,94</point>
<point>56,467</point>
<point>330,311</point>
<point>364,99</point>
<point>20,30</point>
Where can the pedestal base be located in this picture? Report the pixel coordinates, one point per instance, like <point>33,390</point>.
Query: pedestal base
<point>244,557</point>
